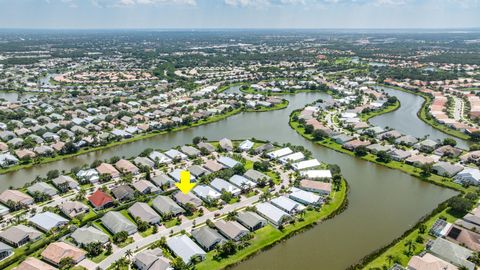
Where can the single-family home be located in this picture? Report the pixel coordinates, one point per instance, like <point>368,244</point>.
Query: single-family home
<point>184,248</point>
<point>144,212</point>
<point>166,206</point>
<point>47,220</point>
<point>57,251</point>
<point>251,220</point>
<point>207,237</point>
<point>115,222</point>
<point>86,235</point>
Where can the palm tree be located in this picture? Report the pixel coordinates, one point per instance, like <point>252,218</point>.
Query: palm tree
<point>410,245</point>
<point>390,259</point>
<point>128,253</point>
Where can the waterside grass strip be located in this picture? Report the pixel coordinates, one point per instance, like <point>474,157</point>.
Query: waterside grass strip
<point>268,236</point>
<point>393,107</point>
<point>422,113</point>
<point>328,142</point>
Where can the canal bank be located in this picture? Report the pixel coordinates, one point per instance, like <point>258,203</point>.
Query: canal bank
<point>383,203</point>
<point>406,118</point>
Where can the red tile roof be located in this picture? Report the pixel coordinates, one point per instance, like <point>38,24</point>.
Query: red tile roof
<point>100,198</point>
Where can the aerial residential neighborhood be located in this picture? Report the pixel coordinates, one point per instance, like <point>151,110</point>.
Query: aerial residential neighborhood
<point>239,134</point>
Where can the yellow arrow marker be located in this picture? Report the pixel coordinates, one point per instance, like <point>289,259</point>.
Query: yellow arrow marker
<point>185,185</point>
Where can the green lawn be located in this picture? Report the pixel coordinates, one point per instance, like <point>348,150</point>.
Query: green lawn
<point>269,235</point>
<point>365,116</point>
<point>422,114</point>
<point>400,253</point>
<point>99,258</point>
<point>278,106</point>
<point>433,178</point>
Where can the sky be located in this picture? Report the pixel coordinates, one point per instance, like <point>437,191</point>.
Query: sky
<point>188,14</point>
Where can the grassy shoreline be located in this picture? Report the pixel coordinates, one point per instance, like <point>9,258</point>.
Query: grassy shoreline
<point>45,160</point>
<point>422,113</point>
<point>409,169</point>
<point>393,107</point>
<point>279,106</point>
<point>269,236</point>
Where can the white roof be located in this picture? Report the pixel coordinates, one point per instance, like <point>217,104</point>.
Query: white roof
<point>280,152</point>
<point>304,196</point>
<point>206,192</point>
<point>292,157</point>
<point>316,174</point>
<point>220,184</point>
<point>184,247</point>
<point>306,164</point>
<point>287,204</point>
<point>239,181</point>
<point>271,212</point>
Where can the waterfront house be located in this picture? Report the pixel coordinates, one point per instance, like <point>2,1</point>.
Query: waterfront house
<point>3,210</point>
<point>426,145</point>
<point>447,150</point>
<point>305,197</point>
<point>89,175</point>
<point>64,183</point>
<point>100,200</point>
<point>342,138</point>
<point>279,153</point>
<point>160,158</point>
<point>184,248</point>
<point>207,146</point>
<point>19,235</point>
<point>174,154</point>
<point>273,214</point>
<point>231,229</point>
<point>190,151</point>
<point>319,187</point>
<point>144,161</point>
<point>107,169</point>
<point>226,144</point>
<point>246,145</point>
<point>115,222</point>
<point>288,205</point>
<point>207,237</point>
<point>57,251</point>
<point>15,196</point>
<point>354,144</point>
<point>316,174</point>
<point>43,188</point>
<point>151,259</point>
<point>399,154</point>
<point>166,206</point>
<point>306,164</point>
<point>144,212</point>
<point>469,176</point>
<point>446,168</point>
<point>86,235</point>
<point>251,220</point>
<point>407,140</point>
<point>125,167</point>
<point>295,157</point>
<point>46,221</point>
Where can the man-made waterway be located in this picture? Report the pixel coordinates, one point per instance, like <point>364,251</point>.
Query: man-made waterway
<point>383,203</point>
<point>405,119</point>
